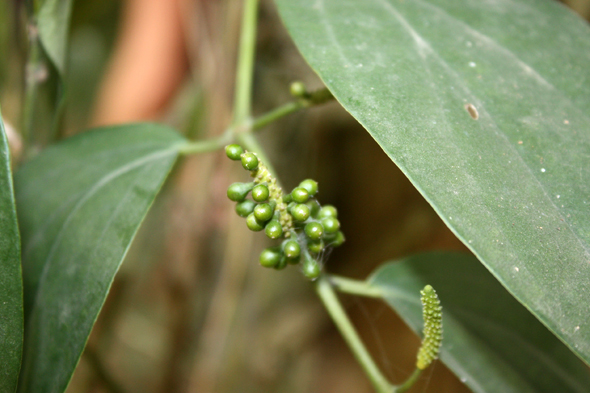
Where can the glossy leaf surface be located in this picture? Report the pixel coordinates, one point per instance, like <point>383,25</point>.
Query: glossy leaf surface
<point>490,340</point>
<point>11,290</point>
<point>80,204</point>
<point>485,106</point>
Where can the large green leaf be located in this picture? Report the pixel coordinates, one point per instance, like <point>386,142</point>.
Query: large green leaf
<point>53,22</point>
<point>485,106</point>
<point>11,290</point>
<point>80,204</point>
<point>490,340</point>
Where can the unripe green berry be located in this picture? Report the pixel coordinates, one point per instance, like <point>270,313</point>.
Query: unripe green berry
<point>331,224</point>
<point>311,268</point>
<point>300,212</point>
<point>263,212</point>
<point>270,257</point>
<point>298,89</point>
<point>292,249</point>
<point>314,207</point>
<point>234,152</point>
<point>249,161</point>
<point>316,246</point>
<point>314,230</point>
<point>244,208</point>
<point>274,230</point>
<point>338,239</point>
<point>253,223</point>
<point>328,211</point>
<point>310,185</point>
<point>237,191</point>
<point>300,195</point>
<point>260,193</point>
<point>282,263</point>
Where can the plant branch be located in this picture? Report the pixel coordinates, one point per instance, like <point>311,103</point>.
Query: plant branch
<point>315,98</point>
<point>409,382</point>
<point>204,146</point>
<point>243,91</point>
<point>336,311</point>
<point>354,287</point>
<point>35,74</point>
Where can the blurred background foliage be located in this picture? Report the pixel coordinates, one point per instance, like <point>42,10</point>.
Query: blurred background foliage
<point>191,310</point>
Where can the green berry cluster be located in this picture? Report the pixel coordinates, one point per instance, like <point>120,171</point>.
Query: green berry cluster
<point>307,228</point>
<point>432,314</point>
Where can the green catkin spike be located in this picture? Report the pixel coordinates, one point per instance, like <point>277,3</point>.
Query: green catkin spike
<point>433,329</point>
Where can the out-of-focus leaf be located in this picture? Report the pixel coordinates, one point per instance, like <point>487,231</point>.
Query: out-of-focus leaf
<point>11,289</point>
<point>490,340</point>
<point>485,106</point>
<point>80,203</point>
<point>53,22</point>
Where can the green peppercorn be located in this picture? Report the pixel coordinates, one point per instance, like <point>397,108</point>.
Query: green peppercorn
<point>237,191</point>
<point>282,263</point>
<point>274,230</point>
<point>328,211</point>
<point>298,89</point>
<point>316,246</point>
<point>244,208</point>
<point>331,225</point>
<point>249,161</point>
<point>310,185</point>
<point>287,198</point>
<point>314,208</point>
<point>234,152</point>
<point>263,212</point>
<point>253,223</point>
<point>270,257</point>
<point>260,193</point>
<point>311,267</point>
<point>338,239</point>
<point>300,212</point>
<point>314,230</point>
<point>292,249</point>
<point>300,195</point>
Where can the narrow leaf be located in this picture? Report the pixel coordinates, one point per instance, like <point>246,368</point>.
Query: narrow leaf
<point>490,340</point>
<point>53,22</point>
<point>11,290</point>
<point>485,107</point>
<point>80,204</point>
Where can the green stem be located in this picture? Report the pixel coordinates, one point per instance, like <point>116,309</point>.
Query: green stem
<point>409,382</point>
<point>249,142</point>
<point>204,146</point>
<point>33,78</point>
<point>336,311</point>
<point>316,98</point>
<point>243,92</point>
<point>354,287</point>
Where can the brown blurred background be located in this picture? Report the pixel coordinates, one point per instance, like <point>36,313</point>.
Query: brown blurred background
<point>191,310</point>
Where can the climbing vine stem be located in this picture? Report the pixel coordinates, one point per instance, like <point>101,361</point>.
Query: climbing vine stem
<point>245,69</point>
<point>329,298</point>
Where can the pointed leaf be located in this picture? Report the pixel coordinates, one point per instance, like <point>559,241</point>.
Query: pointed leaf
<point>490,340</point>
<point>485,107</point>
<point>53,22</point>
<point>80,204</point>
<point>11,290</point>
